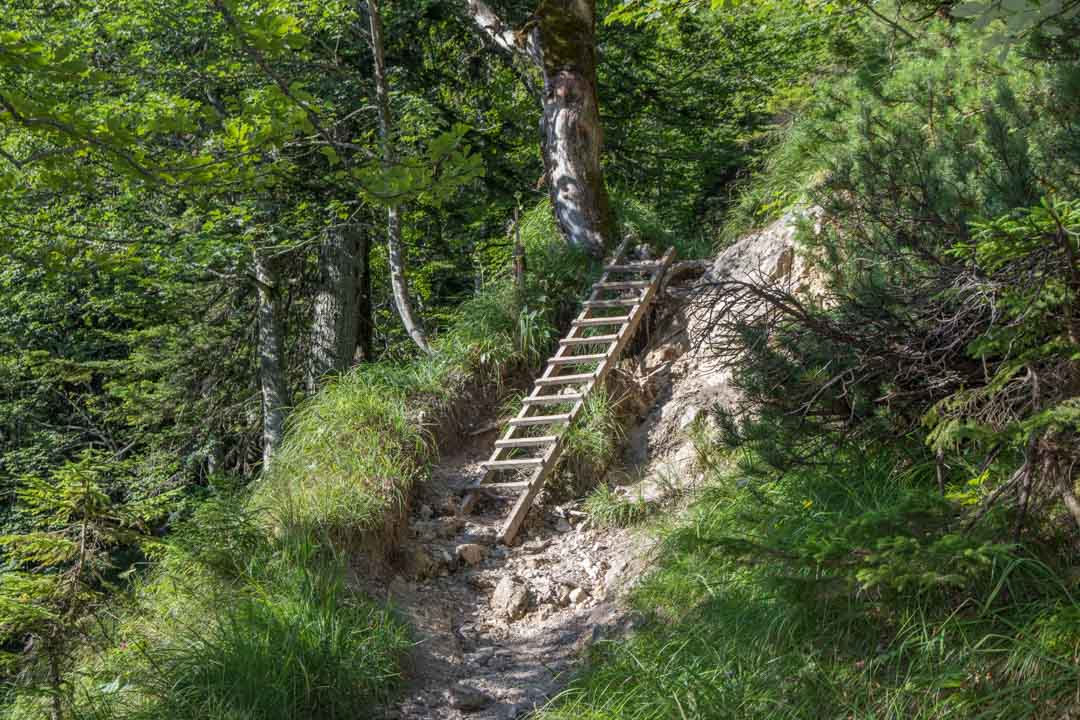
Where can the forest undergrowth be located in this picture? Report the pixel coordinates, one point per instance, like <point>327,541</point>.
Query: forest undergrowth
<point>216,218</point>
<point>252,591</point>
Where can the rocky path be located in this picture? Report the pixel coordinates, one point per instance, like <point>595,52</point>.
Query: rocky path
<point>499,629</point>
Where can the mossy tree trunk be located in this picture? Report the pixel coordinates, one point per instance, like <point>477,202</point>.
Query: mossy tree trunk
<point>560,40</point>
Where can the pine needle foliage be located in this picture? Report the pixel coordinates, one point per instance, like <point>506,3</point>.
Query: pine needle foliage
<point>61,571</point>
<point>948,270</point>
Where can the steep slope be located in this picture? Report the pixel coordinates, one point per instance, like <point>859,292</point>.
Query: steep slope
<point>499,630</point>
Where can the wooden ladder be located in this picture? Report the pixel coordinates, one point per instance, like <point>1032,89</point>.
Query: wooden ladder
<point>534,439</point>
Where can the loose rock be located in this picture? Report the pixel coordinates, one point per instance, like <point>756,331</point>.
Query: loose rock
<point>510,598</point>
<point>424,531</point>
<point>470,553</point>
<point>513,711</point>
<point>615,573</point>
<point>537,545</point>
<point>481,534</point>
<point>423,565</point>
<point>448,527</point>
<point>578,595</point>
<point>483,655</point>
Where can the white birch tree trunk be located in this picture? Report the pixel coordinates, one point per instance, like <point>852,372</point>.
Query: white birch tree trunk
<point>561,42</point>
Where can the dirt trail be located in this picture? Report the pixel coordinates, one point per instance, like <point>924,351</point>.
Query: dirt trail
<point>499,629</point>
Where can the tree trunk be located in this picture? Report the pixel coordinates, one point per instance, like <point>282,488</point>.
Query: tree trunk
<point>398,282</point>
<point>336,318</point>
<point>365,335</point>
<point>561,41</point>
<point>519,262</point>
<point>571,132</point>
<point>275,389</point>
<point>56,705</point>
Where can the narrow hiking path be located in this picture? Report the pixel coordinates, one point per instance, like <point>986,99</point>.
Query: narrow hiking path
<point>499,628</point>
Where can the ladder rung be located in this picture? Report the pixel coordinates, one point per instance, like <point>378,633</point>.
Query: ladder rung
<point>553,399</point>
<point>594,340</point>
<point>623,285</point>
<point>592,322</point>
<point>539,420</point>
<point>526,442</point>
<point>565,379</point>
<point>619,302</point>
<point>510,464</point>
<point>633,267</point>
<point>576,359</point>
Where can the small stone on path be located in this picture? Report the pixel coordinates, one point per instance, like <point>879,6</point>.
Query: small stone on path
<point>448,527</point>
<point>513,711</point>
<point>510,598</point>
<point>535,546</point>
<point>481,534</point>
<point>470,553</point>
<point>467,699</point>
<point>423,565</point>
<point>579,595</point>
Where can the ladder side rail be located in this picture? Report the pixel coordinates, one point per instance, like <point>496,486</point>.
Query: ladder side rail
<point>636,316</point>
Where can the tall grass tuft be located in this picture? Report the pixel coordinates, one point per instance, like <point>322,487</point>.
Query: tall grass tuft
<point>608,509</point>
<point>273,633</point>
<point>590,445</point>
<point>351,455</point>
